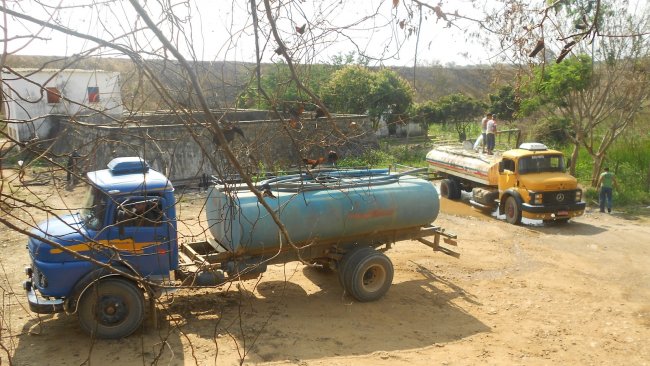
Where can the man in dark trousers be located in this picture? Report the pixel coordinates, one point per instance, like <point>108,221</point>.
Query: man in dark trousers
<point>606,183</point>
<point>72,167</point>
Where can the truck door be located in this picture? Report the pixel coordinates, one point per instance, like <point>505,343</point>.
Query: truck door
<point>142,234</point>
<point>507,177</point>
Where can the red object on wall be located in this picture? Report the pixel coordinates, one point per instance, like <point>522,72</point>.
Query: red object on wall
<point>93,94</point>
<point>53,95</point>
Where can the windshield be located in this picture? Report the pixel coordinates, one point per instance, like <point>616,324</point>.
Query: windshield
<point>92,212</point>
<point>541,164</point>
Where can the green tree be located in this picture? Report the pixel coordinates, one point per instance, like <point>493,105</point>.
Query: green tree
<point>348,90</point>
<point>600,101</point>
<point>459,110</point>
<point>504,103</point>
<point>281,88</point>
<point>356,89</point>
<point>390,96</point>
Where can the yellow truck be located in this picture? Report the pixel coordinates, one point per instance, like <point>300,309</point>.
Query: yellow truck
<point>528,182</point>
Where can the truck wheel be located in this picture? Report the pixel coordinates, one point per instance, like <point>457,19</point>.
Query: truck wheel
<point>450,189</point>
<point>368,276</point>
<point>513,213</point>
<point>113,308</point>
<point>343,264</point>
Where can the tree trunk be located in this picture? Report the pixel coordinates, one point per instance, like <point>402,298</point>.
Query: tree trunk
<point>574,158</point>
<point>598,167</point>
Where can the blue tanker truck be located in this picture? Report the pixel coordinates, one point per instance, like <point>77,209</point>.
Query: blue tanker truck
<point>121,250</point>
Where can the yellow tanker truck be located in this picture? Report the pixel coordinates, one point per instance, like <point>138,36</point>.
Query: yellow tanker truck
<point>528,182</point>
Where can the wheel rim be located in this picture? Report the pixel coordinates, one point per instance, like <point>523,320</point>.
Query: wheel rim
<point>374,278</point>
<point>111,310</point>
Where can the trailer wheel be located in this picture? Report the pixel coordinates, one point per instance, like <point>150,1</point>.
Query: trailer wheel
<point>513,212</point>
<point>113,308</point>
<point>343,264</point>
<point>369,276</point>
<point>450,189</point>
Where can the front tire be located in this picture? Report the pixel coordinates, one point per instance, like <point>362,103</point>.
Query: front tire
<point>513,212</point>
<point>369,276</point>
<point>112,308</point>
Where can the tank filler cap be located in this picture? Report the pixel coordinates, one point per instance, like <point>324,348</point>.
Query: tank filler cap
<point>533,146</point>
<point>128,165</point>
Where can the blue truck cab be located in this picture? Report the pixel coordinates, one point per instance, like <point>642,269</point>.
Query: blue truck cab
<point>127,224</point>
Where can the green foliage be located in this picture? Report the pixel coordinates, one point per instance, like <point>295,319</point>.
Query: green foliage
<point>504,103</point>
<point>389,93</point>
<point>278,84</point>
<point>460,111</point>
<point>348,90</point>
<point>554,83</point>
<point>370,158</point>
<point>424,113</point>
<point>356,89</point>
<point>629,159</point>
<point>413,155</point>
<point>551,130</point>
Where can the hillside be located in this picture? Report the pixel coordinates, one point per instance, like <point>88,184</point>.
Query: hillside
<point>223,81</point>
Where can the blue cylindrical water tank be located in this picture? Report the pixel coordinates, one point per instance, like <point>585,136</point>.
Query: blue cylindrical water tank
<point>328,206</point>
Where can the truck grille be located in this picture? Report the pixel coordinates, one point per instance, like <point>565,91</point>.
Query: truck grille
<point>559,198</point>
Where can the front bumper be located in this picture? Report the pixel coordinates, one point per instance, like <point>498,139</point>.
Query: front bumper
<point>553,212</point>
<point>40,305</point>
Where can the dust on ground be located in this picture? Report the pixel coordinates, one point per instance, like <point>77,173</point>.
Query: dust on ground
<point>522,295</point>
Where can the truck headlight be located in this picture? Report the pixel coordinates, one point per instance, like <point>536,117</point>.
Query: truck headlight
<point>579,195</point>
<point>536,198</point>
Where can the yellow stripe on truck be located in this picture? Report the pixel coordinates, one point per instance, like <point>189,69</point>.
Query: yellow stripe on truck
<point>125,245</point>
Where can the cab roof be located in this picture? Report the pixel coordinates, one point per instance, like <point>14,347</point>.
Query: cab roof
<point>128,175</point>
<point>530,149</point>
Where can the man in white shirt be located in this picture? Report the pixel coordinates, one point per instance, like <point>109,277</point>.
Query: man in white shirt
<point>491,131</point>
<point>484,122</point>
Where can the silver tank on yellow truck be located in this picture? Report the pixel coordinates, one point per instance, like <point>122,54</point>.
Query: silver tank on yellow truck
<point>528,182</point>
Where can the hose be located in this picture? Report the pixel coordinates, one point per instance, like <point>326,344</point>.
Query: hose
<point>334,179</point>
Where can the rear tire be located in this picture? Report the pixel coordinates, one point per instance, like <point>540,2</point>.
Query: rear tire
<point>369,276</point>
<point>347,258</point>
<point>450,189</point>
<point>513,212</point>
<point>112,308</point>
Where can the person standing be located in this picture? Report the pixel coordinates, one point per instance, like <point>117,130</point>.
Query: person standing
<point>491,131</point>
<point>606,182</point>
<point>481,139</point>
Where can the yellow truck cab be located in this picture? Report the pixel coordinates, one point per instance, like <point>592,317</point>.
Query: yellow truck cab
<point>526,182</point>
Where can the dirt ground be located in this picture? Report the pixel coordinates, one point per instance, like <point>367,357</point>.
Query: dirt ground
<point>575,294</point>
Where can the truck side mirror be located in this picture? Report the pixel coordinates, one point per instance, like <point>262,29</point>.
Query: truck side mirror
<point>501,166</point>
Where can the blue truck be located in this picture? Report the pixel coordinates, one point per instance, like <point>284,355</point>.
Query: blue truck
<point>121,250</point>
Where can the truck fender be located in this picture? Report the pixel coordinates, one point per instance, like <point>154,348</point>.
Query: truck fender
<point>70,305</point>
<point>505,195</point>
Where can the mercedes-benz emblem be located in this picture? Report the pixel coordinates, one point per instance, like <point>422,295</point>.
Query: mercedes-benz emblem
<point>560,197</point>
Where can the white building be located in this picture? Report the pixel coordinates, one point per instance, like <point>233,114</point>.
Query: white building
<point>34,100</point>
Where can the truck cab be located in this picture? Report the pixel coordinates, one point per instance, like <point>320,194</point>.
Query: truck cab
<point>127,224</point>
<point>532,183</point>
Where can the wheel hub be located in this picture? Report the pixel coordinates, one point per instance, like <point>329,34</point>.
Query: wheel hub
<point>110,310</point>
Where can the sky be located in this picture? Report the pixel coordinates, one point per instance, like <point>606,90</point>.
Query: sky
<point>222,30</point>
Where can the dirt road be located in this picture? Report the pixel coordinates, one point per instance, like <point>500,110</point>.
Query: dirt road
<point>575,294</point>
